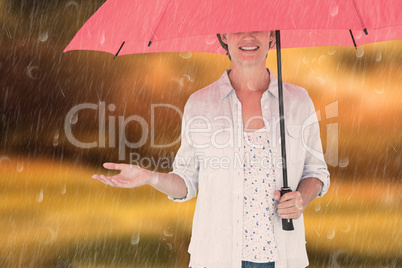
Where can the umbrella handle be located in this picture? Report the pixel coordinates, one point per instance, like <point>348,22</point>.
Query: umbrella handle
<point>287,224</point>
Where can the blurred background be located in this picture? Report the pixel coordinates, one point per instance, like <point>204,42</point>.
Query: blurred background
<point>52,214</point>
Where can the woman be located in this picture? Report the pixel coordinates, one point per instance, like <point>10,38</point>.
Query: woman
<point>229,153</point>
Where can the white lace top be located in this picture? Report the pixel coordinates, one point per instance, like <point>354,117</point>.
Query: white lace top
<point>258,244</point>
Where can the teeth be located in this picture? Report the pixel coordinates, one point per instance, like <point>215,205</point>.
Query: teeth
<point>248,48</point>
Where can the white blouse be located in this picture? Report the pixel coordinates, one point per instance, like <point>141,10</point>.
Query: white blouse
<point>210,161</point>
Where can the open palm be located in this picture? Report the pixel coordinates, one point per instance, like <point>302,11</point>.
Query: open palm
<point>130,176</point>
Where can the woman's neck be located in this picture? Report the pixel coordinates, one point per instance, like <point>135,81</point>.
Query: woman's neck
<point>253,78</point>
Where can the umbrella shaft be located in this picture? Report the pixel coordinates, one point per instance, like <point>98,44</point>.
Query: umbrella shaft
<point>281,110</point>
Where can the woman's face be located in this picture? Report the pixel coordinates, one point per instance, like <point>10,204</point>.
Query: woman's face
<point>248,47</point>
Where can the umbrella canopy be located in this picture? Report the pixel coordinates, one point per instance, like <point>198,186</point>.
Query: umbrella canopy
<point>188,26</point>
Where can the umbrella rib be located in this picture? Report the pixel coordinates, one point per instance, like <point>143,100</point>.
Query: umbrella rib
<point>159,22</point>
<point>118,51</point>
<point>353,39</point>
<point>360,18</point>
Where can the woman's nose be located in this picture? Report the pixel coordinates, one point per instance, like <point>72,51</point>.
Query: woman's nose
<point>248,35</point>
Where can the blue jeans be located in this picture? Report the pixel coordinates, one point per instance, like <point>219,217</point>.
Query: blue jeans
<point>247,264</point>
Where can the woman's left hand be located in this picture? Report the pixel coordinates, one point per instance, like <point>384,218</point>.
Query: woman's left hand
<point>290,205</point>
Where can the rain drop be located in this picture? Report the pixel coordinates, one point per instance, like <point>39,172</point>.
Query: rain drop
<point>331,52</point>
<point>320,80</point>
<point>52,236</point>
<point>111,107</point>
<point>43,37</point>
<point>359,52</point>
<point>185,78</point>
<point>331,234</point>
<point>8,33</point>
<point>250,86</point>
<point>4,159</point>
<point>379,91</point>
<point>358,34</point>
<point>394,148</point>
<point>322,59</point>
<point>155,178</point>
<point>61,90</point>
<point>72,3</point>
<point>39,197</point>
<point>170,247</point>
<point>102,38</point>
<point>344,162</point>
<point>222,51</point>
<point>63,189</point>
<point>378,57</point>
<point>135,239</point>
<point>188,77</point>
<point>167,232</point>
<point>334,259</point>
<point>74,119</point>
<point>56,138</point>
<point>32,72</point>
<point>210,39</point>
<point>389,198</point>
<point>185,55</point>
<point>176,79</point>
<point>20,166</point>
<point>334,11</point>
<point>317,207</point>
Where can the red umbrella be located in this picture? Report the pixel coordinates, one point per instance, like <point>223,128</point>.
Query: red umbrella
<point>183,25</point>
<point>125,27</point>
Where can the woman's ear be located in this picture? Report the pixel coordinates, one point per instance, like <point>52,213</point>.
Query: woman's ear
<point>224,39</point>
<point>272,40</point>
<point>272,36</point>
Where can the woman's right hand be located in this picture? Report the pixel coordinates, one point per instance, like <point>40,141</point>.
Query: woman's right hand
<point>130,176</point>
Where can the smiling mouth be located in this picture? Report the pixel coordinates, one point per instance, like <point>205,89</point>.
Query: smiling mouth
<point>249,48</point>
